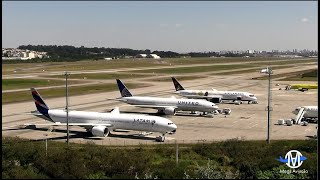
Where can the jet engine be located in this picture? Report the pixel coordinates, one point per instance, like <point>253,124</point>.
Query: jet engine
<point>100,131</point>
<point>216,100</point>
<point>303,89</point>
<point>170,111</point>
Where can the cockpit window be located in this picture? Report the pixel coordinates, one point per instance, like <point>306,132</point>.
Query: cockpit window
<point>251,95</point>
<point>170,123</point>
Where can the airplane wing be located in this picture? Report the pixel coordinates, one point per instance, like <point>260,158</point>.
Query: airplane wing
<point>155,107</point>
<point>71,124</point>
<point>211,96</point>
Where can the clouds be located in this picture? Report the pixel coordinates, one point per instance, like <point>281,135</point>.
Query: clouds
<point>304,20</point>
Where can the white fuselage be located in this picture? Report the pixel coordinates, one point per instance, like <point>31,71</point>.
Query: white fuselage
<point>225,95</point>
<point>310,111</point>
<point>178,104</point>
<point>118,121</point>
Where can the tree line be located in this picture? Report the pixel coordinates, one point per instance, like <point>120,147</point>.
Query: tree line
<point>66,52</point>
<point>231,159</point>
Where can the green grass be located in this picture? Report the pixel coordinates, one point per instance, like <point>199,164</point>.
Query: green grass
<point>121,63</point>
<point>9,84</point>
<point>291,76</point>
<point>11,97</point>
<point>101,76</point>
<point>286,62</point>
<point>179,78</point>
<point>248,70</point>
<point>195,69</point>
<point>307,76</point>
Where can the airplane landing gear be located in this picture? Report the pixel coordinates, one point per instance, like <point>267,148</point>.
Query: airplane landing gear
<point>160,138</point>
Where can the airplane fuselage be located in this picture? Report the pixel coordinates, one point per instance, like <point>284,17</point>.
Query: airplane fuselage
<point>179,104</point>
<point>225,95</point>
<point>118,121</point>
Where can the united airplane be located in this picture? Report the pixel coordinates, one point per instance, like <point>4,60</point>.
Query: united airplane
<point>100,124</point>
<point>166,105</point>
<point>214,95</point>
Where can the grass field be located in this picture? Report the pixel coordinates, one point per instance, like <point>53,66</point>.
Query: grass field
<point>307,76</point>
<point>195,69</point>
<point>9,84</point>
<point>248,70</point>
<point>292,62</point>
<point>100,76</point>
<point>123,63</point>
<point>59,92</point>
<point>294,76</point>
<point>179,78</point>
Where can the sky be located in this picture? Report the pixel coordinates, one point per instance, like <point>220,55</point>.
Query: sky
<point>180,26</point>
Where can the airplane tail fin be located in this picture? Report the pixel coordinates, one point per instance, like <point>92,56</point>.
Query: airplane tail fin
<point>123,89</point>
<point>176,84</point>
<point>40,104</point>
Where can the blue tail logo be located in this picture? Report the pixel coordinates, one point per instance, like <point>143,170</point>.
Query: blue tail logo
<point>123,89</point>
<point>40,104</point>
<point>176,84</point>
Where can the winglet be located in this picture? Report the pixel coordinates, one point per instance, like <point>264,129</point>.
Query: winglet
<point>123,89</point>
<point>40,104</point>
<point>176,84</point>
<point>115,110</point>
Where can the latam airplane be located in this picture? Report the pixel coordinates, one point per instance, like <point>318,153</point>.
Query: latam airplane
<point>165,105</point>
<point>214,95</point>
<point>100,124</point>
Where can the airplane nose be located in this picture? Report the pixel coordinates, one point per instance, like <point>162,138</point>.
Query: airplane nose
<point>174,126</point>
<point>215,107</point>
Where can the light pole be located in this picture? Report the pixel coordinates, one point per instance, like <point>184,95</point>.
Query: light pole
<point>67,74</point>
<point>268,71</point>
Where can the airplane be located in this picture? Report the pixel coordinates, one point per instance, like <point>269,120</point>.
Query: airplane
<point>306,112</point>
<point>167,106</point>
<point>214,95</point>
<point>100,124</point>
<point>301,87</point>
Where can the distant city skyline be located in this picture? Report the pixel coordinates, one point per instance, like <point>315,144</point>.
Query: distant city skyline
<point>165,26</point>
